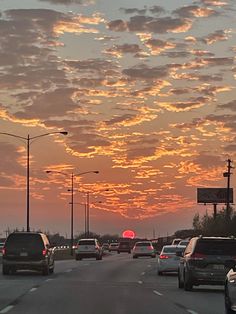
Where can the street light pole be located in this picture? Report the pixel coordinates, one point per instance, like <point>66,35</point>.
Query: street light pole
<point>28,139</point>
<point>72,201</point>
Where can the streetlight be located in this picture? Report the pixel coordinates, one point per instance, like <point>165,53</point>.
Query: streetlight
<point>28,140</point>
<point>88,210</point>
<point>72,199</point>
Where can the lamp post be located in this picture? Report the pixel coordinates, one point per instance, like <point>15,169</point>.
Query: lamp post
<point>28,140</point>
<point>72,201</point>
<point>87,216</point>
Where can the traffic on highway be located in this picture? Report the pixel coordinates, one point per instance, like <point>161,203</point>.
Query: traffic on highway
<point>97,280</point>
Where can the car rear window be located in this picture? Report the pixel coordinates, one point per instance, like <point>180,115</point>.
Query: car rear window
<point>143,244</point>
<point>216,247</point>
<point>86,242</point>
<point>170,250</point>
<point>26,241</point>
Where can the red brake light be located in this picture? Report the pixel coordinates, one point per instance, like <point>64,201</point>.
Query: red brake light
<point>150,248</point>
<point>44,252</point>
<point>3,251</point>
<point>162,256</point>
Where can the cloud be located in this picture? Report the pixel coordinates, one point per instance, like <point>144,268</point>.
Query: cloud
<point>219,35</point>
<point>230,105</point>
<point>194,11</point>
<point>142,23</point>
<point>143,71</point>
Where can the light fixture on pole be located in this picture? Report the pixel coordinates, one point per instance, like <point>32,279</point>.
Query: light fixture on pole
<point>28,140</point>
<point>72,200</point>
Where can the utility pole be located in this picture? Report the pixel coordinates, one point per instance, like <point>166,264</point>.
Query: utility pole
<point>227,175</point>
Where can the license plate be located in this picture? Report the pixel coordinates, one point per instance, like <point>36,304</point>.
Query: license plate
<point>220,267</point>
<point>23,254</point>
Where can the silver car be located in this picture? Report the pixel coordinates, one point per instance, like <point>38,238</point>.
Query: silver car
<point>230,290</point>
<point>168,261</point>
<point>143,248</point>
<point>88,248</point>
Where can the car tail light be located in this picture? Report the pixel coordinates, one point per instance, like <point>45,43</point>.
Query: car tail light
<point>3,251</point>
<point>197,256</point>
<point>44,252</point>
<point>150,248</point>
<point>162,256</point>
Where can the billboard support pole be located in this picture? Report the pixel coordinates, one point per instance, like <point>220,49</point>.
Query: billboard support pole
<point>227,174</point>
<point>215,211</point>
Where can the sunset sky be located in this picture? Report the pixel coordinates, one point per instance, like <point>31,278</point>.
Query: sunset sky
<point>146,91</point>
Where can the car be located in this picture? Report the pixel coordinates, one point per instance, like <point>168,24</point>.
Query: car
<point>27,251</point>
<point>205,261</point>
<point>113,247</point>
<point>230,288</point>
<point>183,243</point>
<point>124,246</point>
<point>143,248</point>
<point>88,248</point>
<point>168,261</point>
<point>176,241</point>
<point>105,246</point>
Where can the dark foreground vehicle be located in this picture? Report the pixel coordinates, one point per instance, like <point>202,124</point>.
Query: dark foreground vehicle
<point>124,246</point>
<point>29,251</point>
<point>230,289</point>
<point>205,261</point>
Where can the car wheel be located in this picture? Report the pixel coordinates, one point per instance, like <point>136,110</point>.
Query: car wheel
<point>188,285</point>
<point>46,270</point>
<point>160,273</point>
<point>153,256</point>
<point>180,283</point>
<point>5,270</point>
<point>135,256</point>
<point>118,252</point>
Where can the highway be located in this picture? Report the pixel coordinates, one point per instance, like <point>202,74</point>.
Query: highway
<point>117,284</point>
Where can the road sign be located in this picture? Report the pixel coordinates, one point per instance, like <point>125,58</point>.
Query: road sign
<point>214,195</point>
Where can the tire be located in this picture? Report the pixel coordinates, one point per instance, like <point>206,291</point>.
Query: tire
<point>160,273</point>
<point>135,256</point>
<point>5,270</point>
<point>188,284</point>
<point>180,283</point>
<point>118,252</point>
<point>45,270</point>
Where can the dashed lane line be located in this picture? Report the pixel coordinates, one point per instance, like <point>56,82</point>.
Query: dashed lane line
<point>33,289</point>
<point>140,282</point>
<point>6,309</point>
<point>191,312</point>
<point>143,273</point>
<point>157,293</point>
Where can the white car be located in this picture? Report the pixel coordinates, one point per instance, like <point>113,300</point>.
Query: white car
<point>88,248</point>
<point>143,248</point>
<point>168,261</point>
<point>113,247</point>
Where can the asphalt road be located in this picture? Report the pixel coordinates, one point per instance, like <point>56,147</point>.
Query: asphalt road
<point>116,285</point>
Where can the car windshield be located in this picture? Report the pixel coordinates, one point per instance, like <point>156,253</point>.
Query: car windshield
<point>216,247</point>
<point>170,250</point>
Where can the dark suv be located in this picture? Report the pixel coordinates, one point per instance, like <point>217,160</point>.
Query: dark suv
<point>27,250</point>
<point>205,261</point>
<point>124,246</point>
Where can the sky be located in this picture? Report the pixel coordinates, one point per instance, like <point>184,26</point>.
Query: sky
<point>145,90</point>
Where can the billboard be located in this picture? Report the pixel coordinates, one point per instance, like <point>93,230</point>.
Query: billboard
<point>214,195</point>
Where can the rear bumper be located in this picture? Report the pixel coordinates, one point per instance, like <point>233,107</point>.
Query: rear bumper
<point>207,277</point>
<point>87,254</point>
<point>32,265</point>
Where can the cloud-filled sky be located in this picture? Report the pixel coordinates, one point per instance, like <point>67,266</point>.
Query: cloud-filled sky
<point>146,91</point>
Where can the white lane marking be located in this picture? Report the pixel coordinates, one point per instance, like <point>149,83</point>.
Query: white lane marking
<point>191,312</point>
<point>33,289</point>
<point>140,282</point>
<point>7,309</point>
<point>158,293</point>
<point>68,271</point>
<point>149,265</point>
<point>143,273</point>
<point>48,280</point>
